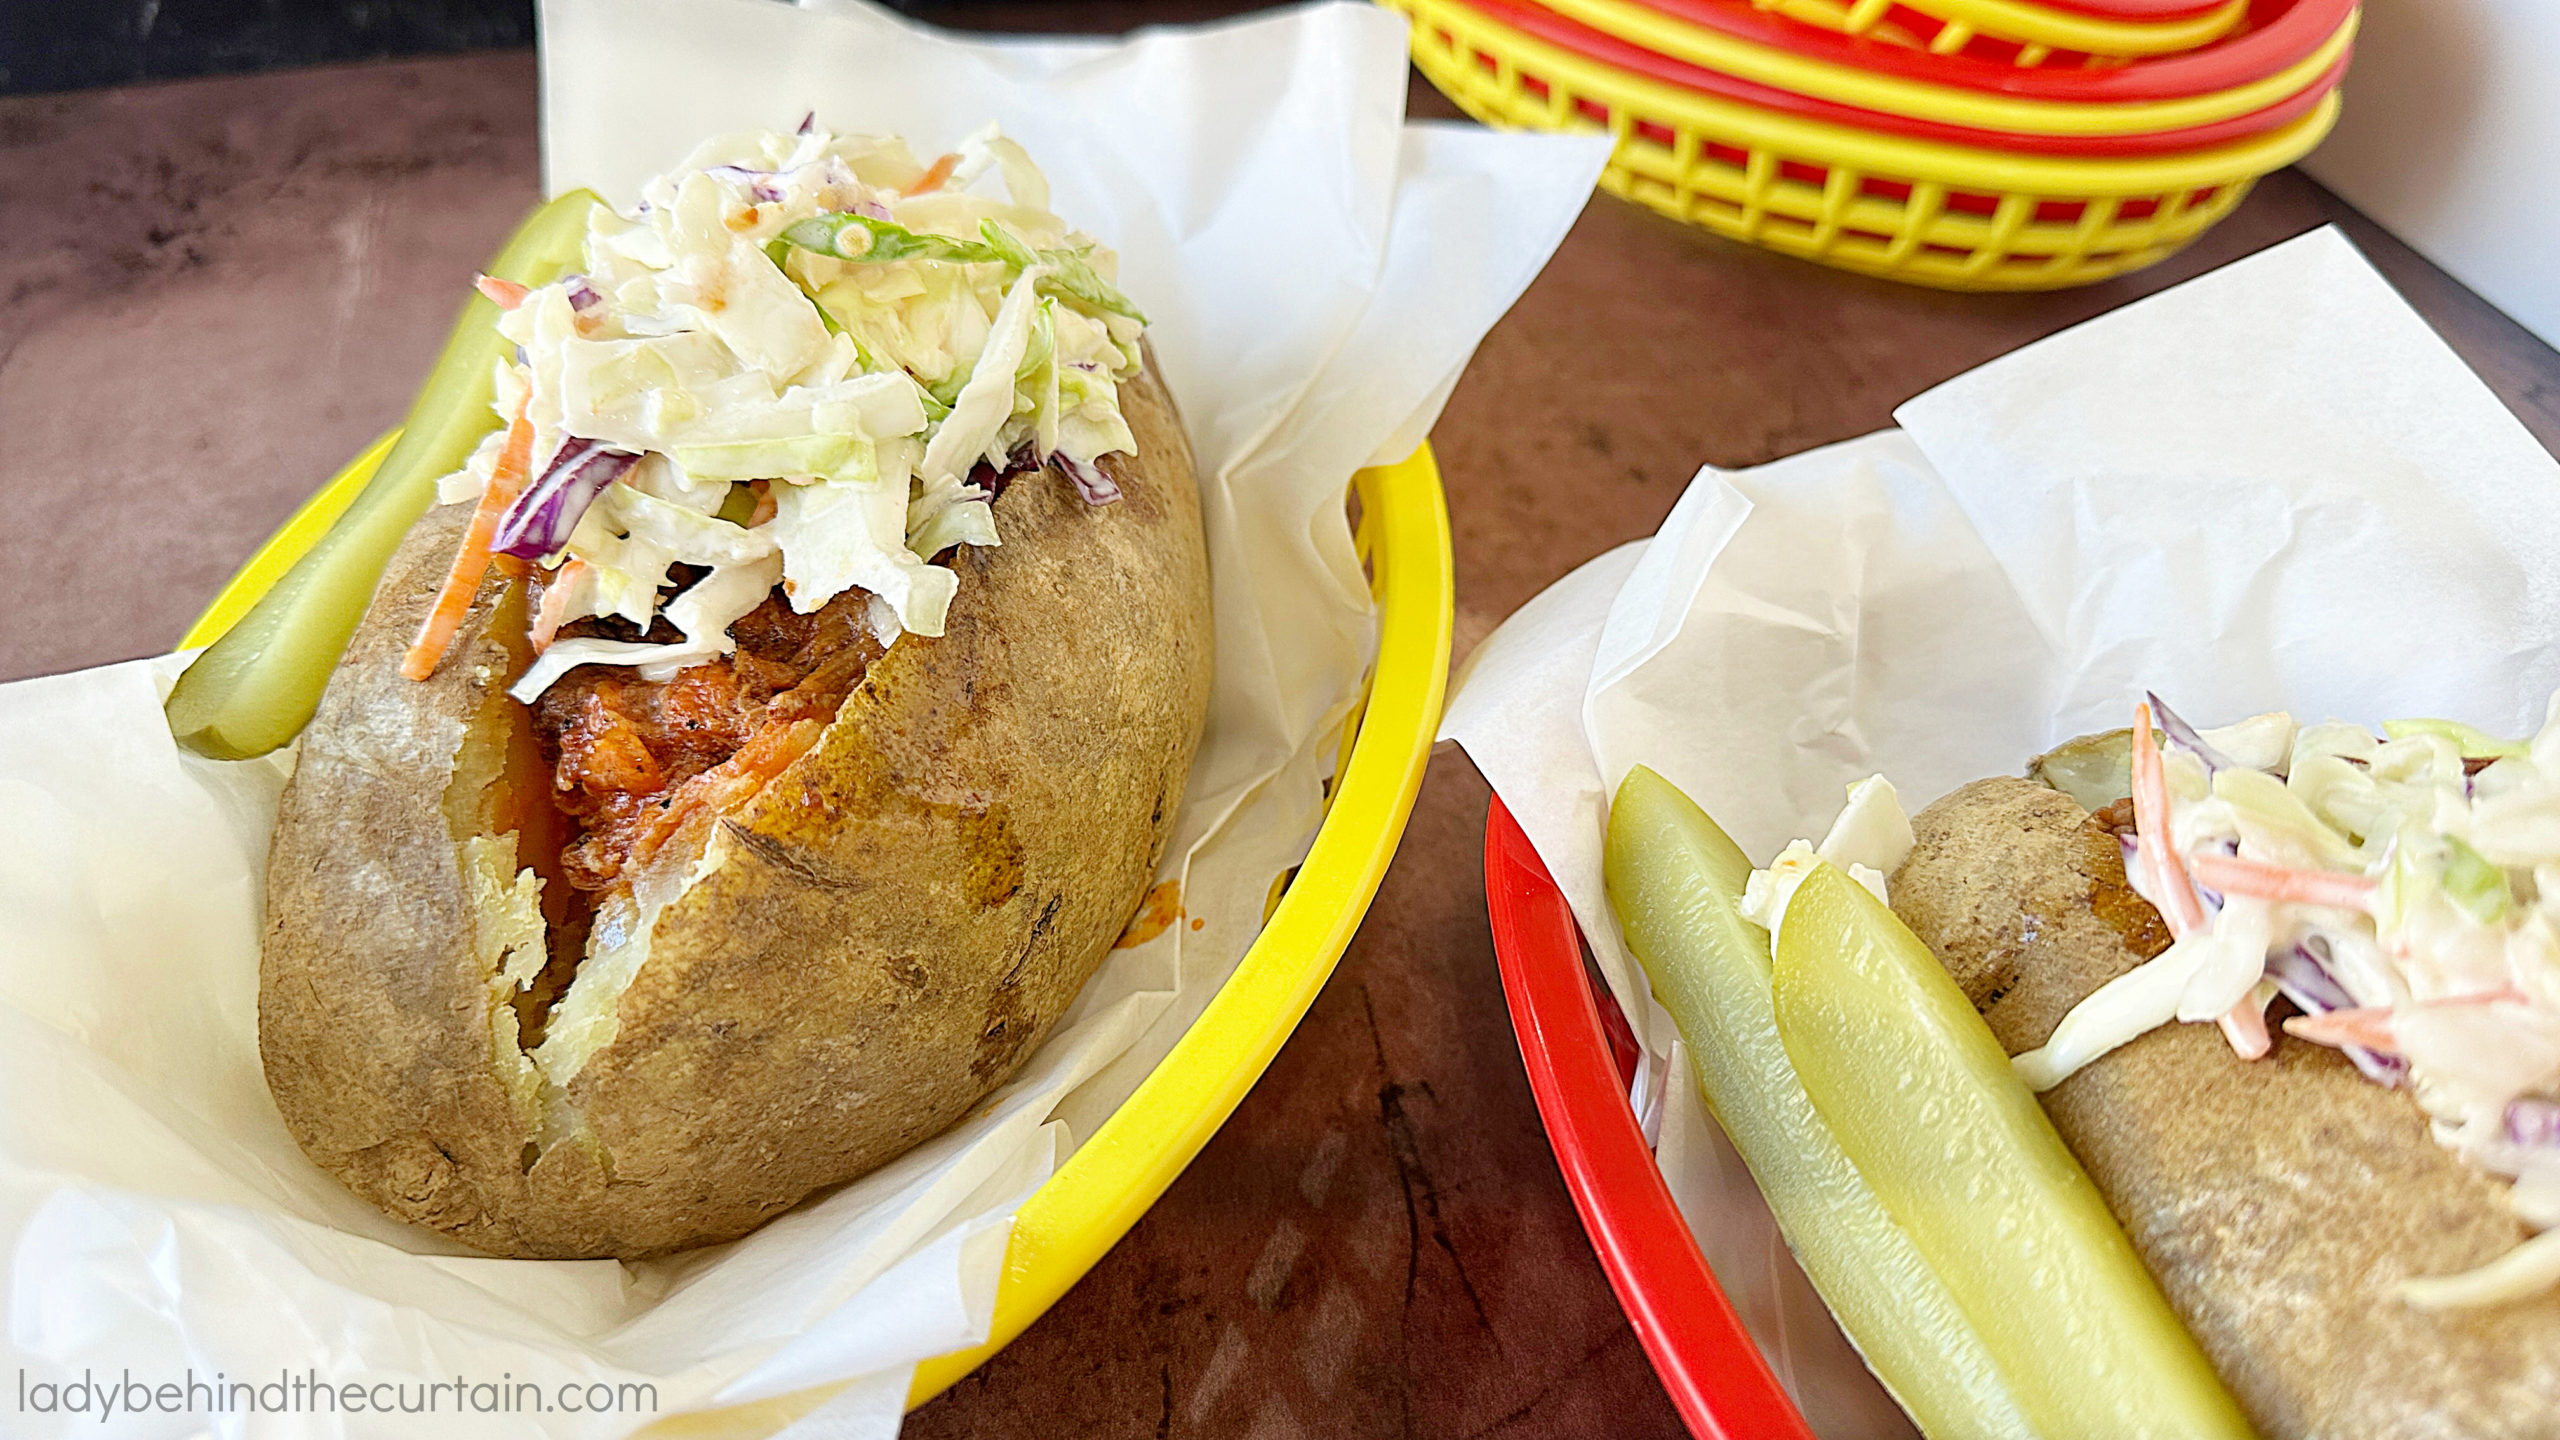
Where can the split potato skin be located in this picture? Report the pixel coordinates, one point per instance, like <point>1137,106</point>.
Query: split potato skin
<point>2278,1201</point>
<point>858,954</point>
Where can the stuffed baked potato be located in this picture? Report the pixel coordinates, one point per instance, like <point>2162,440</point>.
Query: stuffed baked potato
<point>638,961</point>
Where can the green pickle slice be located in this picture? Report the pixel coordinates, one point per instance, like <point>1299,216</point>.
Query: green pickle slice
<point>1675,881</point>
<point>256,687</point>
<point>1923,1099</point>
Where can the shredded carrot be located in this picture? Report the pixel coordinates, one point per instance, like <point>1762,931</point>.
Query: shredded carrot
<point>555,604</point>
<point>765,503</point>
<point>2504,993</point>
<point>2234,876</point>
<point>2245,1024</point>
<point>2367,1027</point>
<point>934,178</point>
<point>2179,905</point>
<point>507,293</point>
<point>471,562</point>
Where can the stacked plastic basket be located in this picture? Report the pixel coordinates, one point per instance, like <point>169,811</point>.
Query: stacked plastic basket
<point>1970,144</point>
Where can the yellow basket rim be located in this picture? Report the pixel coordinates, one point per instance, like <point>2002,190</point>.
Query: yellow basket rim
<point>1117,1173</point>
<point>1665,34</point>
<point>2027,21</point>
<point>1873,154</point>
<point>1873,20</point>
<point>1154,1134</point>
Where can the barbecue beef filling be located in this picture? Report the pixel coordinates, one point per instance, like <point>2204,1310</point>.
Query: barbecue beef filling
<point>633,760</point>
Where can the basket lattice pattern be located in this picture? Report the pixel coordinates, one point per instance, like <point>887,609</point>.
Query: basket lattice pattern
<point>1922,211</point>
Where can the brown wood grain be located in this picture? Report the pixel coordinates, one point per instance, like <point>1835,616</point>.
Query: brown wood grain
<point>213,292</point>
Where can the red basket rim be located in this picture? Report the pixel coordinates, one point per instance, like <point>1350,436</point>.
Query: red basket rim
<point>1604,48</point>
<point>2137,11</point>
<point>2276,34</point>
<point>1717,1379</point>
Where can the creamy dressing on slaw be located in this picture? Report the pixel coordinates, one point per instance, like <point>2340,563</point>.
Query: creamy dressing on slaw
<point>2404,891</point>
<point>858,333</point>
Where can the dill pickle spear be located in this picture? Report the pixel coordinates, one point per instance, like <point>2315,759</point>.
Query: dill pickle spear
<point>255,688</point>
<point>1923,1099</point>
<point>1675,881</point>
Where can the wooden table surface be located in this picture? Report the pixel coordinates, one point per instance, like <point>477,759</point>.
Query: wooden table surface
<point>213,292</point>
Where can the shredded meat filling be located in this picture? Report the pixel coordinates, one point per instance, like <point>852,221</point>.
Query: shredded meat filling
<point>2118,817</point>
<point>633,760</point>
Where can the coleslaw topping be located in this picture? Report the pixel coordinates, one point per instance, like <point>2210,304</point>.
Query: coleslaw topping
<point>2402,891</point>
<point>1869,839</point>
<point>804,360</point>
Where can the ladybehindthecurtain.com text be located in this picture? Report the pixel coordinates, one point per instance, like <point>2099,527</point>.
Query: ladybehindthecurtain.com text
<point>310,1393</point>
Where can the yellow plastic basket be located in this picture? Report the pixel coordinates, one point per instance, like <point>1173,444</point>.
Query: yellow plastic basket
<point>1973,109</point>
<point>1402,535</point>
<point>1924,211</point>
<point>2037,31</point>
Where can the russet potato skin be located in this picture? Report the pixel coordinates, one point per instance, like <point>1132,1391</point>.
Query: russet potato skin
<point>871,944</point>
<point>2276,1201</point>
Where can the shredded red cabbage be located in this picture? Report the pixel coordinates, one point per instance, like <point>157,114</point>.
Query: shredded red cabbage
<point>759,183</point>
<point>1096,487</point>
<point>583,296</point>
<point>2306,981</point>
<point>2534,1122</point>
<point>991,478</point>
<point>540,520</point>
<point>2185,737</point>
<point>2301,973</point>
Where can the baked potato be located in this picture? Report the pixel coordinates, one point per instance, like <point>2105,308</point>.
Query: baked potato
<point>743,774</point>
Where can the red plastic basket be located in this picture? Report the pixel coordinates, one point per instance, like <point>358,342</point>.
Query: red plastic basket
<point>1568,34</point>
<point>2134,9</point>
<point>2277,34</point>
<point>1716,1377</point>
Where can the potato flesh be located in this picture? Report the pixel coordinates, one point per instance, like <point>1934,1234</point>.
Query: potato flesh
<point>536,942</point>
<point>498,809</point>
<point>506,903</point>
<point>2096,770</point>
<point>585,1019</point>
<point>1924,1101</point>
<point>1675,881</point>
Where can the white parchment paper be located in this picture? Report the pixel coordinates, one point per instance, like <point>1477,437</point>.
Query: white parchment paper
<point>2272,487</point>
<point>1318,272</point>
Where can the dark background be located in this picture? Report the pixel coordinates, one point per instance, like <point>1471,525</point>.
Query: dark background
<point>48,45</point>
<point>75,44</point>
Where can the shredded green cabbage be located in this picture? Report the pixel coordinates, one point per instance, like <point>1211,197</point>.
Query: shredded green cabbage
<point>782,308</point>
